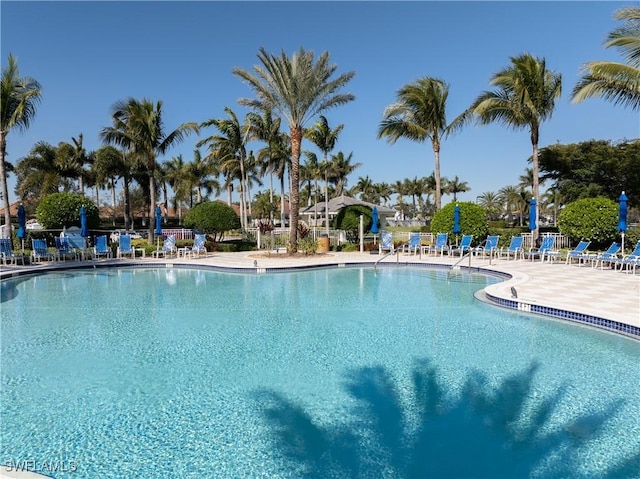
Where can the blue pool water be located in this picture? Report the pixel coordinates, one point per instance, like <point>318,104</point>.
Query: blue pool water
<point>399,372</point>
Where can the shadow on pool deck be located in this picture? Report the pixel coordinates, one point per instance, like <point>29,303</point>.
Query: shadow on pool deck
<point>482,433</point>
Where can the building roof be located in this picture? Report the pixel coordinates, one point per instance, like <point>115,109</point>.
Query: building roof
<point>336,204</point>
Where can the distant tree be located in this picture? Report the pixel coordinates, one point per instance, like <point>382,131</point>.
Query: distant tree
<point>348,219</point>
<point>212,217</point>
<point>616,82</point>
<point>456,186</point>
<point>473,220</point>
<point>19,97</point>
<point>592,219</point>
<point>492,203</point>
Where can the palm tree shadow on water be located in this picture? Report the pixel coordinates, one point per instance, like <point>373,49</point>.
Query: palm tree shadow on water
<point>484,432</point>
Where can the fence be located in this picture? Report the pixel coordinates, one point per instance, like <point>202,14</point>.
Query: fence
<point>560,242</point>
<point>179,233</point>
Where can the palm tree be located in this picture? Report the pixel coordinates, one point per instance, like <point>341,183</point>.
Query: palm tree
<point>612,81</point>
<point>298,88</point>
<point>340,167</point>
<point>267,129</point>
<point>491,202</point>
<point>110,165</point>
<point>228,150</point>
<point>39,173</point>
<point>19,97</point>
<point>524,98</point>
<point>138,127</point>
<point>420,114</point>
<point>456,186</point>
<point>325,139</point>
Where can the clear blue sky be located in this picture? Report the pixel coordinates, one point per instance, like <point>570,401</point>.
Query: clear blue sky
<point>88,55</point>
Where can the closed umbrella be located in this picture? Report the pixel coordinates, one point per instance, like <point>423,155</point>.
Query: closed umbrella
<point>158,230</point>
<point>84,230</point>
<point>374,223</point>
<point>22,221</point>
<point>456,222</point>
<point>622,218</point>
<point>532,219</point>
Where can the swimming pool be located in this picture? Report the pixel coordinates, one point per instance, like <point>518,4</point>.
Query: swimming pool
<point>346,372</point>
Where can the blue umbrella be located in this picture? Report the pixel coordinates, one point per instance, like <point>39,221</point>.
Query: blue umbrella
<point>622,218</point>
<point>84,231</point>
<point>456,220</point>
<point>374,220</point>
<point>22,221</point>
<point>158,230</point>
<point>532,215</point>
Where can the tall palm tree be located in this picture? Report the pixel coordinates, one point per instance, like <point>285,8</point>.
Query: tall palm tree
<point>420,114</point>
<point>19,97</point>
<point>325,139</point>
<point>267,129</point>
<point>109,166</point>
<point>228,149</point>
<point>616,82</point>
<point>491,202</point>
<point>365,187</point>
<point>298,88</point>
<point>74,157</point>
<point>39,173</point>
<point>525,97</point>
<point>203,173</point>
<point>138,126</point>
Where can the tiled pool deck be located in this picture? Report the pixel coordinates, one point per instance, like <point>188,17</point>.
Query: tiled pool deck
<point>604,298</point>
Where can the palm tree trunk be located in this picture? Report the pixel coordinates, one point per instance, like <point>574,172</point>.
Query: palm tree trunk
<point>294,200</point>
<point>536,185</point>
<point>5,187</point>
<point>113,201</point>
<point>152,202</point>
<point>436,154</point>
<point>127,202</point>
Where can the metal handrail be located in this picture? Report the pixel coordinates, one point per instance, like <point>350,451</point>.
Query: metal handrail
<point>396,251</point>
<point>468,253</point>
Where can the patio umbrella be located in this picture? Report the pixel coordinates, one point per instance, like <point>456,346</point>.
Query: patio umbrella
<point>622,218</point>
<point>374,223</point>
<point>456,222</point>
<point>22,220</point>
<point>84,231</point>
<point>532,215</point>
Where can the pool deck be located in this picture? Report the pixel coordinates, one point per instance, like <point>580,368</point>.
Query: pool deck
<point>602,293</point>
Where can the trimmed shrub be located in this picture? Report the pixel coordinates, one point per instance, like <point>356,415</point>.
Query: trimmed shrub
<point>59,210</point>
<point>348,219</point>
<point>213,218</point>
<point>473,221</point>
<point>592,219</point>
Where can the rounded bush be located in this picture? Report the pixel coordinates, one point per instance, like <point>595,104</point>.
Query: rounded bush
<point>59,210</point>
<point>212,217</point>
<point>348,218</point>
<point>591,219</point>
<point>473,220</point>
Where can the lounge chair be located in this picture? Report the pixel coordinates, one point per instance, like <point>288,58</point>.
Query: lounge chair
<point>489,247</point>
<point>39,251</point>
<point>124,247</point>
<point>386,242</point>
<point>464,246</point>
<point>514,249</point>
<point>198,247</point>
<point>63,248</point>
<point>439,246</point>
<point>578,253</point>
<point>413,246</point>
<point>609,256</point>
<point>8,256</point>
<point>632,259</point>
<point>77,244</point>
<point>101,249</point>
<point>545,249</point>
<point>168,247</point>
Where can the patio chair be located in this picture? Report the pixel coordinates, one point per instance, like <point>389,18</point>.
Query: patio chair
<point>386,242</point>
<point>63,249</point>
<point>440,245</point>
<point>489,247</point>
<point>168,247</point>
<point>8,256</point>
<point>413,246</point>
<point>39,251</point>
<point>627,261</point>
<point>545,249</point>
<point>124,247</point>
<point>78,244</point>
<point>609,256</point>
<point>578,253</point>
<point>101,248</point>
<point>514,249</point>
<point>197,248</point>
<point>464,246</point>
